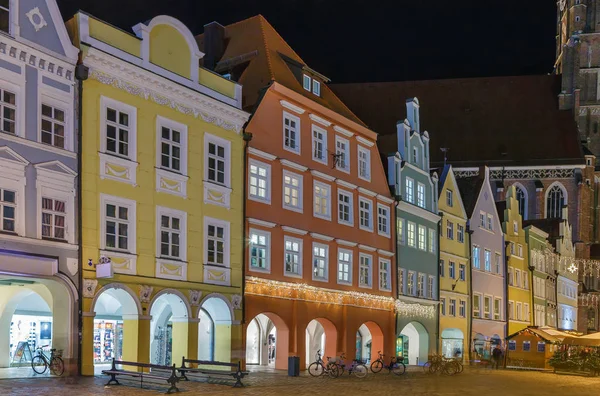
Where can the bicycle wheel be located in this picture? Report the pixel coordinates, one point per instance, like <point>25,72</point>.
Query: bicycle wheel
<point>398,368</point>
<point>341,369</point>
<point>376,366</point>
<point>460,367</point>
<point>427,367</point>
<point>449,368</point>
<point>316,369</point>
<point>434,368</point>
<point>57,366</point>
<point>333,370</point>
<point>39,365</point>
<point>360,370</point>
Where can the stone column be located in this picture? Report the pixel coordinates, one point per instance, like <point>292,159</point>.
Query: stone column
<point>87,344</point>
<point>539,203</point>
<point>181,339</point>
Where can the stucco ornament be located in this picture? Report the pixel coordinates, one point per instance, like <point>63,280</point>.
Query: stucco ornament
<point>145,293</point>
<point>89,287</point>
<point>195,296</point>
<point>36,19</point>
<point>236,301</point>
<point>72,266</point>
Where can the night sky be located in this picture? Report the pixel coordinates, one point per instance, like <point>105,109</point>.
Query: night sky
<point>361,41</point>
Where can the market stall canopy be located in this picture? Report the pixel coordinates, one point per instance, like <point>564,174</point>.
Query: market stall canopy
<point>592,340</point>
<point>544,334</point>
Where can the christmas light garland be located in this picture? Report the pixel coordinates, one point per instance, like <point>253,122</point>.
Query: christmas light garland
<point>415,310</point>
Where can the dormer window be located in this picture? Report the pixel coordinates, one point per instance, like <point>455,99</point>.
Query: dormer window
<point>4,15</point>
<point>316,88</point>
<point>307,82</point>
<point>415,155</point>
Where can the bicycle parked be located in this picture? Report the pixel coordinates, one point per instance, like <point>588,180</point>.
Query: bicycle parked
<point>319,367</point>
<point>358,368</point>
<point>40,362</point>
<point>440,364</point>
<point>395,366</point>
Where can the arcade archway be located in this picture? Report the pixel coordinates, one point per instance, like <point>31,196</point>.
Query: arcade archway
<point>170,315</point>
<point>214,329</point>
<point>320,334</point>
<point>369,341</point>
<point>415,340</point>
<point>267,341</point>
<point>453,343</point>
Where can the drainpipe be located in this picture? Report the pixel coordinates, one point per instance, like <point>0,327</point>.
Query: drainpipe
<point>532,309</point>
<point>439,339</point>
<point>81,74</point>
<point>247,138</point>
<point>397,199</point>
<point>506,315</point>
<point>470,272</point>
<point>556,298</point>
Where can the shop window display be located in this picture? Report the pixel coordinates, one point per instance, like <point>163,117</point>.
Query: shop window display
<point>108,340</point>
<point>34,330</point>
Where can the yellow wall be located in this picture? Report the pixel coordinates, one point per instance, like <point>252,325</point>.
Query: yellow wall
<point>115,37</point>
<point>216,82</point>
<point>169,50</point>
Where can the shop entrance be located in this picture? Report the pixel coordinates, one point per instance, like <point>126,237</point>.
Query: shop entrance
<point>33,313</point>
<point>267,342</point>
<point>214,329</point>
<point>416,343</point>
<point>321,334</point>
<point>453,343</point>
<point>369,341</point>
<point>169,323</point>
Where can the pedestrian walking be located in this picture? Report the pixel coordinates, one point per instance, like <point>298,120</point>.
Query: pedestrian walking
<point>497,356</point>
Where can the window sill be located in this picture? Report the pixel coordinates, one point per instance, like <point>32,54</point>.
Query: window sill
<point>327,218</point>
<point>256,269</point>
<point>344,283</point>
<point>171,269</point>
<point>292,275</point>
<point>362,286</point>
<point>217,194</point>
<point>291,150</point>
<point>14,237</point>
<point>259,200</point>
<point>363,228</point>
<point>118,168</point>
<point>32,143</point>
<point>293,208</point>
<point>320,279</point>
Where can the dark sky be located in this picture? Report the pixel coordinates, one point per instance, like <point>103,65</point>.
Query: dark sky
<point>360,41</point>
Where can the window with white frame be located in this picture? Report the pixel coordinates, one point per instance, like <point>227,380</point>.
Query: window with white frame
<point>364,163</point>
<point>383,220</point>
<point>173,145</point>
<point>422,237</point>
<point>497,308</point>
<point>53,126</point>
<point>291,133</point>
<point>119,128</point>
<point>5,16</point>
<point>443,306</point>
<point>421,195</point>
<point>432,241</point>
<point>411,231</point>
<point>345,211</point>
<point>515,227</point>
<point>316,87</point>
<point>421,285</point>
<point>410,283</point>
<point>430,289</point>
<point>260,250</point>
<point>487,307</point>
<point>517,277</point>
<point>306,82</point>
<point>53,217</point>
<point>401,281</point>
<point>344,266</point>
<point>526,311</point>
<point>460,233</point>
<point>217,242</point>
<point>462,270</point>
<point>172,233</point>
<point>519,311</point>
<point>511,310</point>
<point>476,305</point>
<point>400,231</point>
<point>8,107</point>
<point>410,190</point>
<point>259,181</point>
<point>415,155</point>
<point>449,230</point>
<point>462,308</point>
<point>322,200</point>
<point>510,276</point>
<point>482,219</point>
<point>452,270</point>
<point>520,250</point>
<point>320,261</point>
<point>342,151</point>
<point>449,198</point>
<point>490,225</point>
<point>452,307</point>
<point>293,256</point>
<point>384,275</point>
<point>319,141</point>
<point>365,270</point>
<point>476,257</point>
<point>365,208</point>
<point>118,224</point>
<point>292,191</point>
<point>487,260</point>
<point>525,280</point>
<point>442,268</point>
<point>217,152</point>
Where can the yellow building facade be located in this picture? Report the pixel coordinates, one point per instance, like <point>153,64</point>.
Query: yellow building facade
<point>455,270</point>
<point>162,197</point>
<point>519,277</point>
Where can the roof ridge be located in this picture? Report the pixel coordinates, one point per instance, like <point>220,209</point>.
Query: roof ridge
<point>441,80</point>
<point>264,37</point>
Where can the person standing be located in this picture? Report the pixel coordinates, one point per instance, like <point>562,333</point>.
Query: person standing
<point>497,356</point>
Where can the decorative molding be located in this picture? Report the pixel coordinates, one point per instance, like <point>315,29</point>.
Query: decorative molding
<point>292,230</point>
<point>89,287</point>
<point>366,192</point>
<point>523,173</point>
<point>236,301</point>
<point>216,195</point>
<point>119,169</point>
<point>346,184</point>
<point>37,145</point>
<point>171,183</point>
<point>145,292</point>
<point>195,296</point>
<point>122,263</point>
<point>293,165</point>
<point>385,253</point>
<point>321,237</point>
<point>319,120</point>
<point>346,243</point>
<point>385,199</point>
<point>343,131</point>
<point>292,107</point>
<point>367,248</point>
<point>36,19</point>
<point>134,80</point>
<point>261,223</point>
<point>171,269</point>
<point>261,154</point>
<point>322,175</point>
<point>72,266</point>
<point>217,275</point>
<point>364,141</point>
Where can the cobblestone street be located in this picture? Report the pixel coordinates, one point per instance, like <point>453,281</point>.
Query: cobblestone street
<point>470,382</point>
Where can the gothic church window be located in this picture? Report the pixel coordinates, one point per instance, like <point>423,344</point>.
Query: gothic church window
<point>522,199</point>
<point>555,200</point>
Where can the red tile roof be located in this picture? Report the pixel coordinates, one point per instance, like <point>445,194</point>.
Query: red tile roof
<point>478,119</point>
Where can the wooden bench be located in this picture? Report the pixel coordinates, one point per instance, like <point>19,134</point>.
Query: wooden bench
<point>162,373</point>
<point>236,373</point>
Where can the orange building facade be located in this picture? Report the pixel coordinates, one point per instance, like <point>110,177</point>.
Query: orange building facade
<point>319,265</point>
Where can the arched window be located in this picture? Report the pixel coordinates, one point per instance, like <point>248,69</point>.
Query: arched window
<point>522,199</point>
<point>555,200</point>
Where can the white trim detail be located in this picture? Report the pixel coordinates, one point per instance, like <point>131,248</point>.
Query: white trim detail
<point>292,107</point>
<point>343,131</point>
<point>293,165</point>
<point>385,199</point>
<point>367,248</point>
<point>345,243</point>
<point>292,230</point>
<point>385,253</point>
<point>366,192</point>
<point>322,175</point>
<point>261,154</point>
<point>321,237</point>
<point>364,141</point>
<point>171,183</point>
<point>319,120</point>
<point>346,184</point>
<point>261,223</point>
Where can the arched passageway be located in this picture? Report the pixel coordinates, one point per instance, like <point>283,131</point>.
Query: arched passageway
<point>170,315</point>
<point>453,343</point>
<point>415,341</point>
<point>267,341</point>
<point>369,341</point>
<point>214,329</point>
<point>320,334</point>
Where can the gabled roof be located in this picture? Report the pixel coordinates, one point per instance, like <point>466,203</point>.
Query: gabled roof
<point>270,58</point>
<point>482,121</point>
<point>550,226</point>
<point>470,188</point>
<point>544,335</point>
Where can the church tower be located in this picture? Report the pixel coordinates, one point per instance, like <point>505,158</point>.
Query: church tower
<point>578,62</point>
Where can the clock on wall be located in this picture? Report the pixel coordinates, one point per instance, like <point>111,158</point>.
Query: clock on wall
<point>563,3</point>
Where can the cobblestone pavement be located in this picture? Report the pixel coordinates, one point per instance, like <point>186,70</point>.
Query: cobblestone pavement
<point>415,383</point>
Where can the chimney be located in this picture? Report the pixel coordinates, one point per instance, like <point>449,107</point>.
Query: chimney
<point>214,44</point>
<point>412,114</point>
